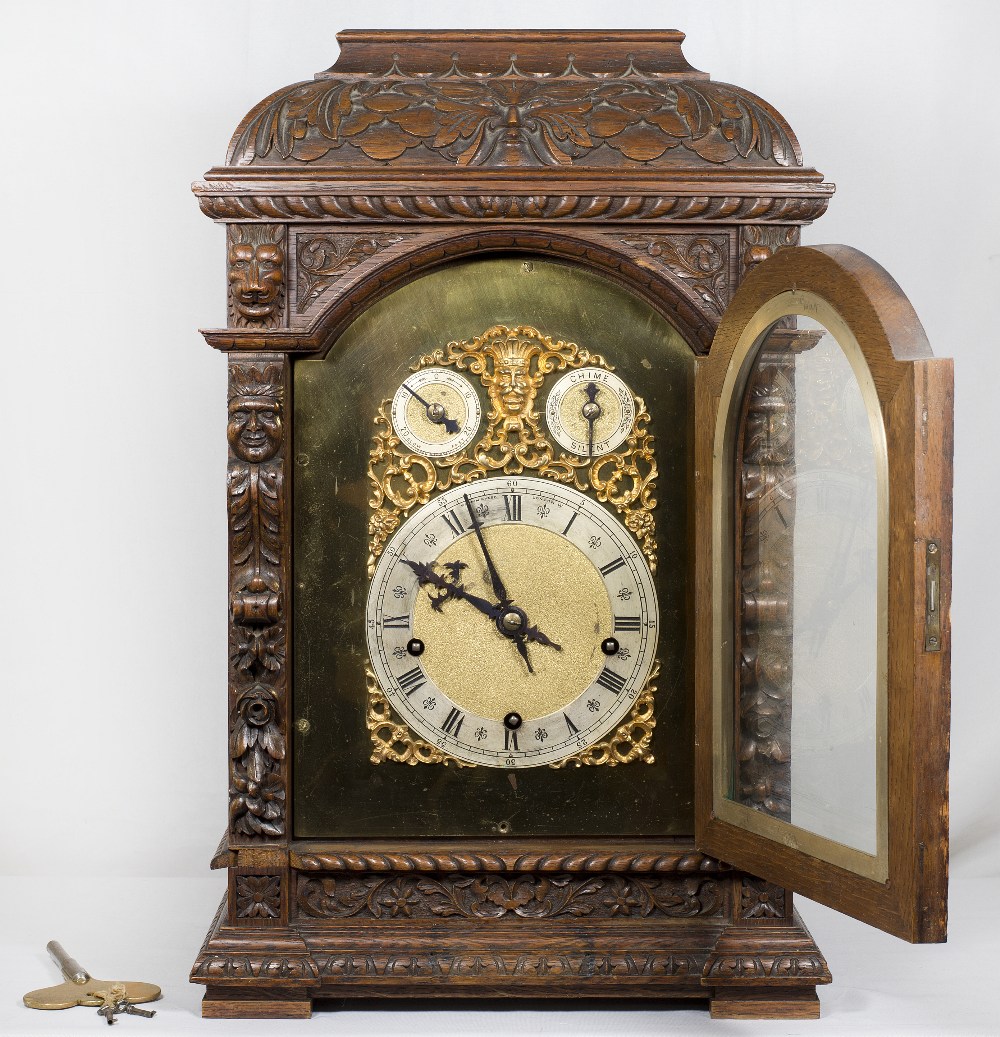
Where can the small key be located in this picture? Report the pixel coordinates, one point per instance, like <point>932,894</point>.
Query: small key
<point>126,1006</point>
<point>111,999</point>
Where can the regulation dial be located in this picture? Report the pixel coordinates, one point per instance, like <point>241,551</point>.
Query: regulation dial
<point>436,412</point>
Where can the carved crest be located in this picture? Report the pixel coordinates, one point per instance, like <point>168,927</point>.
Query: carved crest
<point>512,119</point>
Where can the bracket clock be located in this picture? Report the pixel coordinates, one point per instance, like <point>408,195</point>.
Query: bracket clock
<point>589,541</point>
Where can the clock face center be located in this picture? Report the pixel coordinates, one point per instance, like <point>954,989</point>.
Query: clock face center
<point>552,584</point>
<point>435,412</point>
<point>512,622</point>
<point>591,411</point>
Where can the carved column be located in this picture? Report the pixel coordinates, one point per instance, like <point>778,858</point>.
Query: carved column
<point>258,567</point>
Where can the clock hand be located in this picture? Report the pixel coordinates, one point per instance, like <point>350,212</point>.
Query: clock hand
<point>498,588</point>
<point>435,412</point>
<point>523,651</point>
<point>510,621</point>
<point>426,576</point>
<point>591,411</point>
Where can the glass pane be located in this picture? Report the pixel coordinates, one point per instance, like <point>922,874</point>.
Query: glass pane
<point>809,478</point>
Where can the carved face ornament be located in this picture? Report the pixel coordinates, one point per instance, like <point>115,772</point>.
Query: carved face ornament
<point>254,429</point>
<point>255,273</point>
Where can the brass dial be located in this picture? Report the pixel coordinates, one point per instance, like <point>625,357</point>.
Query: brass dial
<point>590,411</point>
<point>436,412</point>
<point>512,622</point>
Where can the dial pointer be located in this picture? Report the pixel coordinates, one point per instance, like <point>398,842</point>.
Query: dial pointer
<point>498,588</point>
<point>450,424</point>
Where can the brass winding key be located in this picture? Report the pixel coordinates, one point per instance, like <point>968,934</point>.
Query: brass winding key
<point>81,988</point>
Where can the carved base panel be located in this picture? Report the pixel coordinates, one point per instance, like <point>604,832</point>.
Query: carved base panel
<point>726,938</point>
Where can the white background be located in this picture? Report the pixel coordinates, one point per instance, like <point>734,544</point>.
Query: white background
<point>112,516</point>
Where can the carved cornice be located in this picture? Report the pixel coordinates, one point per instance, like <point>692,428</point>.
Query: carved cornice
<point>783,954</point>
<point>711,204</point>
<point>487,861</point>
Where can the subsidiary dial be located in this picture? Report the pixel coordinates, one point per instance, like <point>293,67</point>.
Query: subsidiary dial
<point>590,411</point>
<point>436,412</point>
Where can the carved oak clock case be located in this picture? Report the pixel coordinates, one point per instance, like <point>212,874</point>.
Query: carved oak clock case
<point>589,541</point>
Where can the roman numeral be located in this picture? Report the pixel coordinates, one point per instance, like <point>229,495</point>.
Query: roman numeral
<point>402,622</point>
<point>572,519</point>
<point>453,722</point>
<point>510,740</point>
<point>454,522</point>
<point>512,506</point>
<point>607,570</point>
<point>611,680</point>
<point>573,729</point>
<point>627,623</point>
<point>410,681</point>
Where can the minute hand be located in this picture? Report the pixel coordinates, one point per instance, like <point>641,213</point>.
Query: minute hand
<point>498,588</point>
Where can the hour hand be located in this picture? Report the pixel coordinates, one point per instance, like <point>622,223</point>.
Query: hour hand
<point>449,587</point>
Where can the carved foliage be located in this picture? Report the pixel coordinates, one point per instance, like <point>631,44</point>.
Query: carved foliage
<point>494,896</point>
<point>321,259</point>
<point>255,480</point>
<point>760,899</point>
<point>513,119</point>
<point>699,261</point>
<point>256,275</point>
<point>258,896</point>
<point>495,964</point>
<point>759,242</point>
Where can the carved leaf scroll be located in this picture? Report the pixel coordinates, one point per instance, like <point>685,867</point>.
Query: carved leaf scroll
<point>321,259</point>
<point>523,896</point>
<point>257,630</point>
<point>513,119</point>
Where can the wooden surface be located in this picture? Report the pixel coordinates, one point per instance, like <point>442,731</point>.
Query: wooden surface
<point>915,395</point>
<point>406,189</point>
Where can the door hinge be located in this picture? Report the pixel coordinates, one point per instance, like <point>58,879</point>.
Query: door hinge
<point>932,597</point>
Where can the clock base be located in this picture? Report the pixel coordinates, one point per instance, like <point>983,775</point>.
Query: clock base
<point>669,924</point>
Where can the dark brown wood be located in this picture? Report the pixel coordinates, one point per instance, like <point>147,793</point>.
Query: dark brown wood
<point>601,149</point>
<point>915,394</point>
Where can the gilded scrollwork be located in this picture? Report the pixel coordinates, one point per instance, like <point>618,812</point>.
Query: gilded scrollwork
<point>512,365</point>
<point>392,740</point>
